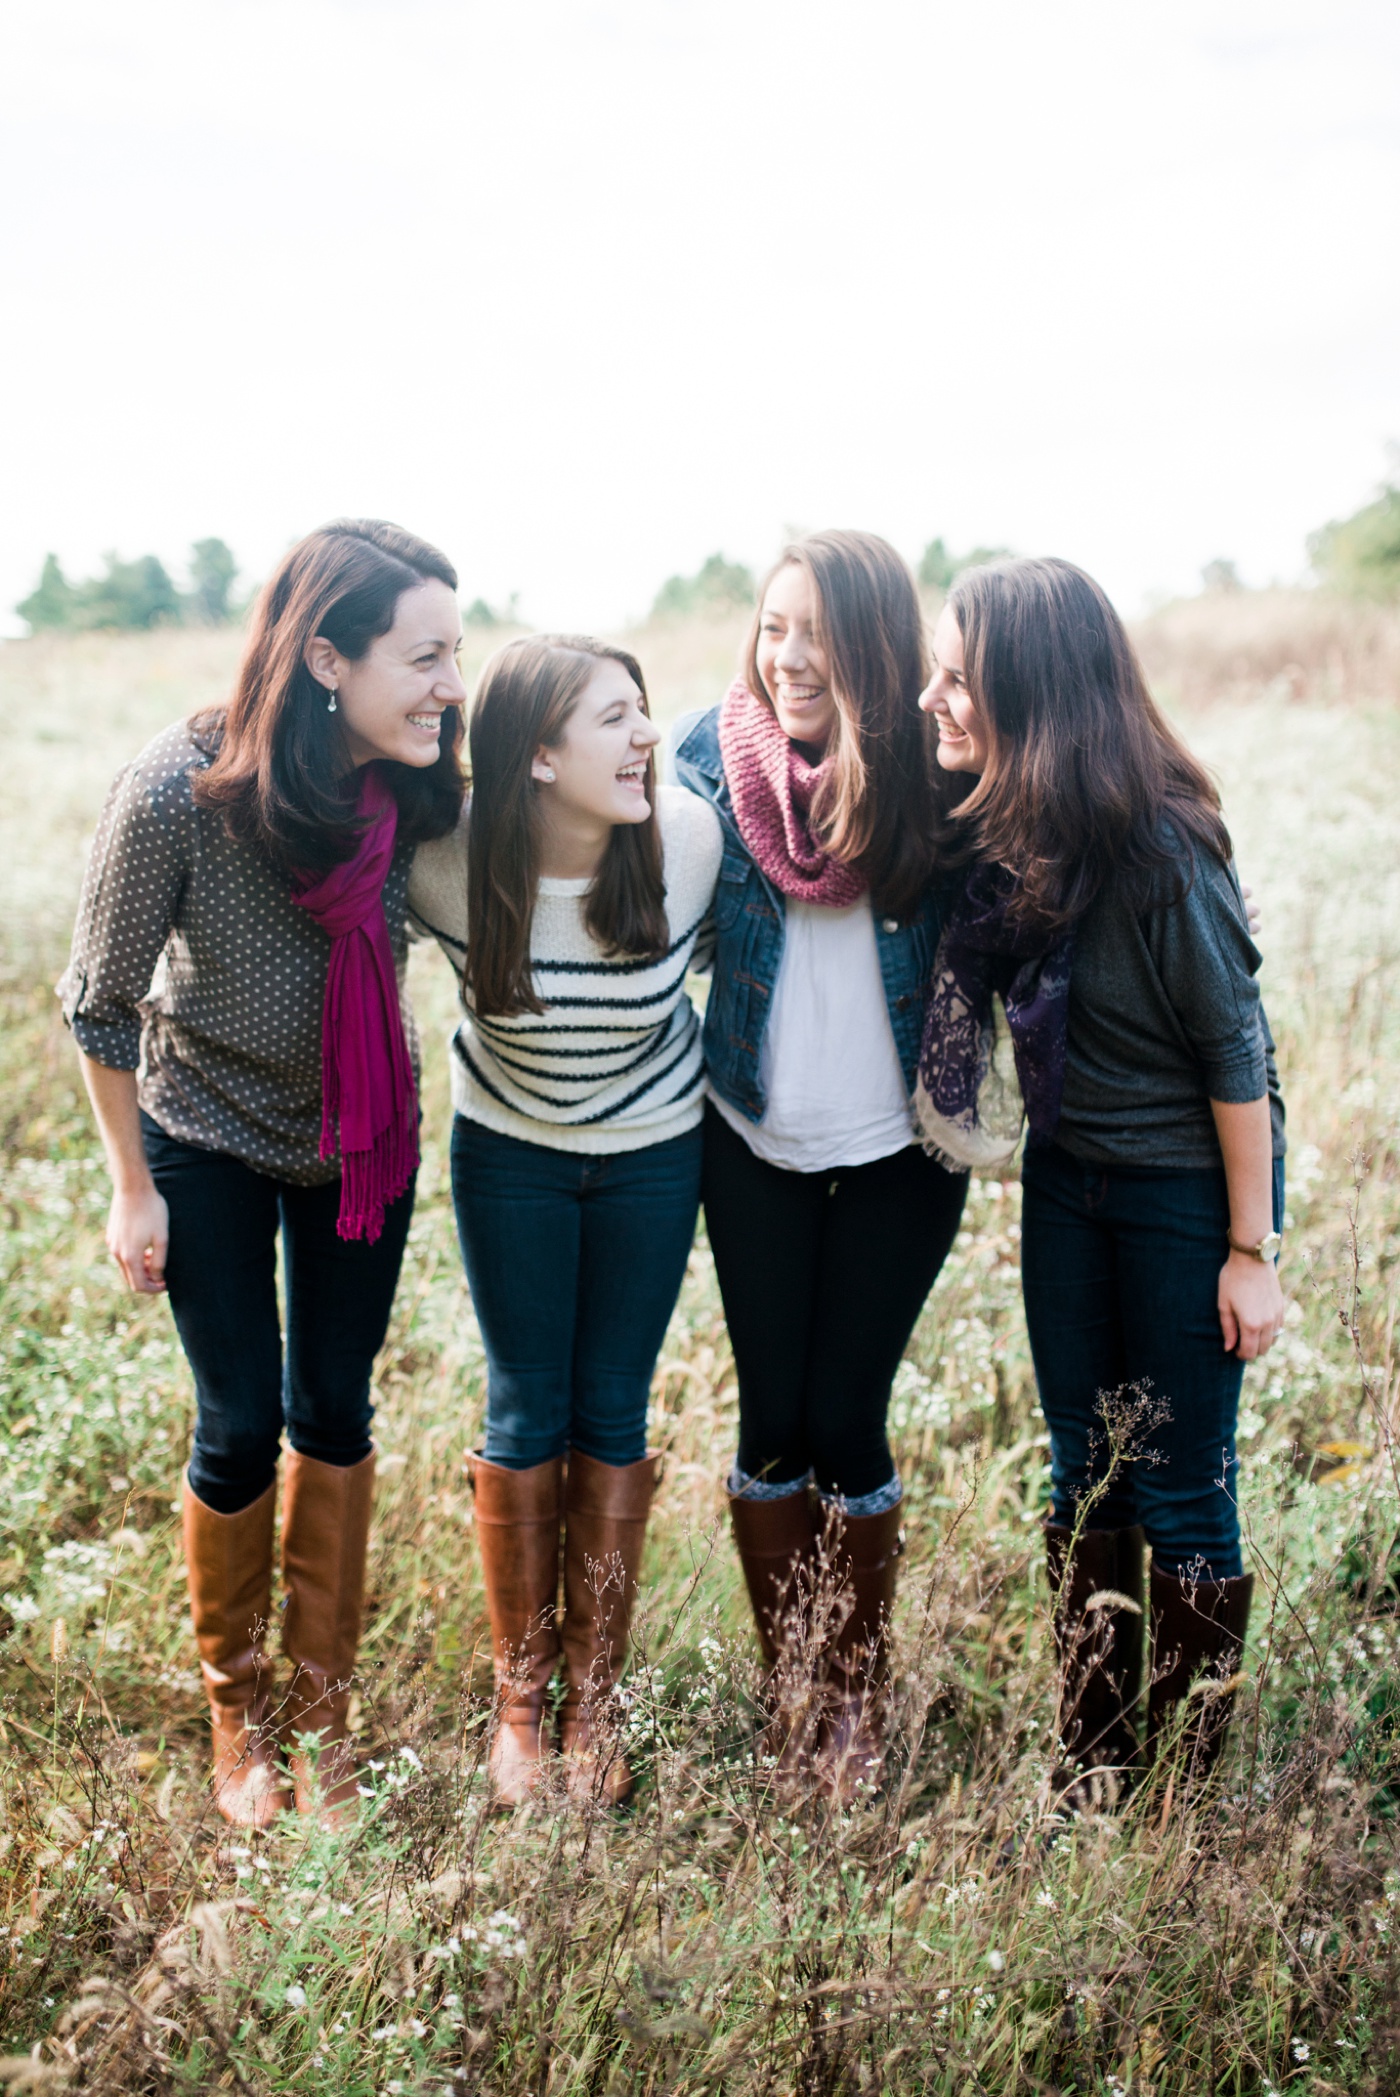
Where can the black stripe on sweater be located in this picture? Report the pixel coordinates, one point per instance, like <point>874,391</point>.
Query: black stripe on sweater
<point>611,963</point>
<point>605,1113</point>
<point>578,1077</point>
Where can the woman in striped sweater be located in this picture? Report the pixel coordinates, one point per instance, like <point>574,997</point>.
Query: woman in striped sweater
<point>570,900</point>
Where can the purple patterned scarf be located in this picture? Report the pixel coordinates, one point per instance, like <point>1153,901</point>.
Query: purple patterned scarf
<point>969,1115</point>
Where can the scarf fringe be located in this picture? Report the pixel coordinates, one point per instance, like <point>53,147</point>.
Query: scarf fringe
<point>957,1145</point>
<point>371,1179</point>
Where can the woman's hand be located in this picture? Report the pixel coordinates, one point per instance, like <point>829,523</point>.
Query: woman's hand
<point>138,1222</point>
<point>138,1234</point>
<point>1250,1300</point>
<point>1254,916</point>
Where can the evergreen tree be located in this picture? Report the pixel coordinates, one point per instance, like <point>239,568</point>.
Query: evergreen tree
<point>212,570</point>
<point>131,594</point>
<point>717,585</point>
<point>1361,553</point>
<point>52,605</point>
<point>939,569</point>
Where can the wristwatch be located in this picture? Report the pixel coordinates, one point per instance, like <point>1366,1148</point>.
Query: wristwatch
<point>1267,1248</point>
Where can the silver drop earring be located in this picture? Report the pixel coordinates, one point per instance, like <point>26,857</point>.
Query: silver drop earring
<point>330,703</point>
<point>547,774</point>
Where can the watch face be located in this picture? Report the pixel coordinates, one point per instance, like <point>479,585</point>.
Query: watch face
<point>1269,1247</point>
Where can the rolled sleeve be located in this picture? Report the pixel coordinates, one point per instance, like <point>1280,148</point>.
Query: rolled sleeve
<point>130,896</point>
<point>1237,1072</point>
<point>1208,966</point>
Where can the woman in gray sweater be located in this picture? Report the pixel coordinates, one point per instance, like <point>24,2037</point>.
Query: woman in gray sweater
<point>1102,906</point>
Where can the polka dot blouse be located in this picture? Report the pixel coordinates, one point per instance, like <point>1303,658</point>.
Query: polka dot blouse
<point>192,966</point>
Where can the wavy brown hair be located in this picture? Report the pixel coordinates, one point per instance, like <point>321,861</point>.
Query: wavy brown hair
<point>526,695</point>
<point>1086,782</point>
<point>281,772</point>
<point>878,808</point>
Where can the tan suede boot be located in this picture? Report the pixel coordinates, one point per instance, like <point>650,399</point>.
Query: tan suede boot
<point>325,1538</point>
<point>605,1520</point>
<point>228,1559</point>
<point>518,1519</point>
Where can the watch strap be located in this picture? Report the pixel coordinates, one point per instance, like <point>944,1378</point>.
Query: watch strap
<point>1266,1249</point>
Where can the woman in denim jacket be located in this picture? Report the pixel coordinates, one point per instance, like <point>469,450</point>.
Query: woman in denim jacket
<point>828,1222</point>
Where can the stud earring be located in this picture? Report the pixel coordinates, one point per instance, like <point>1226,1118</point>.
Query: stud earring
<point>546,773</point>
<point>330,703</point>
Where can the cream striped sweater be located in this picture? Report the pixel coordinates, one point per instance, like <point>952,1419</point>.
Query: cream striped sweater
<point>614,1062</point>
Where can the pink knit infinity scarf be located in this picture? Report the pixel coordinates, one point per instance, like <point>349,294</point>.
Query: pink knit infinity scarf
<point>367,1083</point>
<point>772,787</point>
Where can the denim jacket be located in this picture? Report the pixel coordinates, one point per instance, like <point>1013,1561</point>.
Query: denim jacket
<point>750,919</point>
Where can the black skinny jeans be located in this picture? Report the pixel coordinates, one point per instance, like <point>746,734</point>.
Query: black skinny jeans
<point>221,1275</point>
<point>823,1276</point>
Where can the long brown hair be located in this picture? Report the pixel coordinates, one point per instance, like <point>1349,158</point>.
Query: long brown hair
<point>280,766</point>
<point>1083,770</point>
<point>526,695</point>
<point>878,808</point>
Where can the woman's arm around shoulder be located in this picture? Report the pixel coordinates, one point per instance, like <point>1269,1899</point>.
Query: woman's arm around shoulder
<point>693,841</point>
<point>437,891</point>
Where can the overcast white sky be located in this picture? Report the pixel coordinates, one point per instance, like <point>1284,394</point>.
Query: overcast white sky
<point>585,289</point>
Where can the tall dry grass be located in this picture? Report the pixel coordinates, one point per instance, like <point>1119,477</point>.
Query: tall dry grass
<point>952,1935</point>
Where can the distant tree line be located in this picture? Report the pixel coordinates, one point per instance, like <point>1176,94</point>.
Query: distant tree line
<point>720,585</point>
<point>1359,554</point>
<point>132,595</point>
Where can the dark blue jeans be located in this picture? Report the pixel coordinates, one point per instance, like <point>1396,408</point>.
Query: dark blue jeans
<point>1120,1267</point>
<point>575,1261</point>
<point>221,1274</point>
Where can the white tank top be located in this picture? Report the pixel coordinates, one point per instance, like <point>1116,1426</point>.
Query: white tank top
<point>829,1068</point>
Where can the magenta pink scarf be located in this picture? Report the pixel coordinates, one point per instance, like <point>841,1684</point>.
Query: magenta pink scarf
<point>772,787</point>
<point>369,1103</point>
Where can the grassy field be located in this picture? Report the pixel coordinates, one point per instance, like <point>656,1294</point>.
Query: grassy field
<point>708,1941</point>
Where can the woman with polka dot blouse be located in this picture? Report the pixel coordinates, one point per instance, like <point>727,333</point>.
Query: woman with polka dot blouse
<point>254,861</point>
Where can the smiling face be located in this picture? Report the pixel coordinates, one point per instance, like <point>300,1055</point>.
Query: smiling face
<point>601,762</point>
<point>964,737</point>
<point>792,660</point>
<point>391,701</point>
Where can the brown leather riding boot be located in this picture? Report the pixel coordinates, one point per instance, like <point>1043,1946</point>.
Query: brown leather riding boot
<point>605,1521</point>
<point>518,1518</point>
<point>1198,1633</point>
<point>1098,1635</point>
<point>777,1544</point>
<point>864,1553</point>
<point>229,1562</point>
<point>325,1537</point>
<point>774,1538</point>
